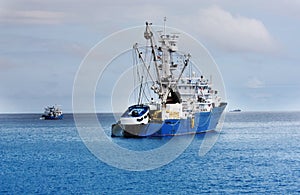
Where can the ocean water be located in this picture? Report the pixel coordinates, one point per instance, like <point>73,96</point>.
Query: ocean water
<point>256,152</point>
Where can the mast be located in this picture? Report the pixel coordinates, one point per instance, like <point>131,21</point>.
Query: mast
<point>166,84</point>
<point>165,19</point>
<point>148,34</point>
<point>168,45</point>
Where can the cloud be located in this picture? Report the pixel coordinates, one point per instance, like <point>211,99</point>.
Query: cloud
<point>233,32</point>
<point>216,26</point>
<point>31,17</point>
<point>255,83</point>
<point>261,100</point>
<point>274,8</point>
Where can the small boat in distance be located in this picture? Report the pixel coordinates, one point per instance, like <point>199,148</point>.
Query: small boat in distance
<point>52,113</point>
<point>236,110</point>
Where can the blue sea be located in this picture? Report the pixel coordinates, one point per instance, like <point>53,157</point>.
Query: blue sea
<point>256,152</point>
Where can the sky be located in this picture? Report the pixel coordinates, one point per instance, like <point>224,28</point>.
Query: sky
<point>255,44</point>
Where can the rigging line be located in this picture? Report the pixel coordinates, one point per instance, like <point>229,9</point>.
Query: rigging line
<point>145,57</point>
<point>134,62</point>
<point>146,49</point>
<point>146,52</point>
<point>143,62</point>
<point>149,87</point>
<point>140,92</point>
<point>154,54</point>
<point>149,66</point>
<point>186,61</point>
<point>144,73</point>
<point>146,87</point>
<point>144,93</point>
<point>137,74</point>
<point>147,91</point>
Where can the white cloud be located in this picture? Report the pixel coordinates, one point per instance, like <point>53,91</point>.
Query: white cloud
<point>214,24</point>
<point>274,8</point>
<point>233,33</point>
<point>255,83</point>
<point>31,17</point>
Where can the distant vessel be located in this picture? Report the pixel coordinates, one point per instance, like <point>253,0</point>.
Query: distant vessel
<point>186,103</point>
<point>236,110</point>
<point>52,113</point>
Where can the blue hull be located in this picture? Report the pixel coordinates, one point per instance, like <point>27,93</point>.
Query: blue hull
<point>202,122</point>
<point>46,117</point>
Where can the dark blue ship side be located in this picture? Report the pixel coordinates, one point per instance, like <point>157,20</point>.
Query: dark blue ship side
<point>201,123</point>
<point>47,117</point>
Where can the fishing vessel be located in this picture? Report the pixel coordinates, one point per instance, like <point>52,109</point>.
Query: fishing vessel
<point>236,110</point>
<point>173,98</point>
<point>52,113</point>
